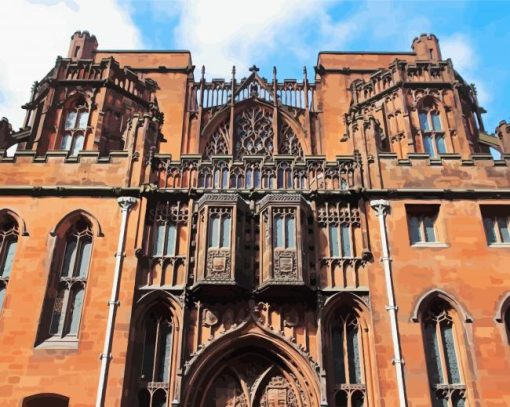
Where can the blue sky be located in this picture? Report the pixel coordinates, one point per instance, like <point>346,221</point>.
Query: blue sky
<point>285,33</point>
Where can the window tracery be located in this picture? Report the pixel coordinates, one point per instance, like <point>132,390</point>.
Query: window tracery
<point>253,132</point>
<point>75,127</point>
<point>341,222</point>
<point>440,341</point>
<point>8,241</point>
<point>218,144</point>
<point>348,373</point>
<point>156,356</point>
<point>167,220</point>
<point>67,305</point>
<point>289,143</point>
<point>431,128</point>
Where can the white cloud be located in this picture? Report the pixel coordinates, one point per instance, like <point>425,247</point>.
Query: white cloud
<point>465,61</point>
<point>34,32</point>
<point>223,33</point>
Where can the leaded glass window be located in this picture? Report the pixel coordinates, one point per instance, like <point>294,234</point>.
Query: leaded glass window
<point>348,375</point>
<point>8,243</point>
<point>284,230</point>
<point>340,240</point>
<point>71,283</point>
<point>219,231</point>
<point>431,129</point>
<point>443,367</point>
<point>156,358</point>
<point>75,127</point>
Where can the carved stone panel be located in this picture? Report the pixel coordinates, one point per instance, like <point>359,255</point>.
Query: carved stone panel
<point>218,264</point>
<point>285,266</point>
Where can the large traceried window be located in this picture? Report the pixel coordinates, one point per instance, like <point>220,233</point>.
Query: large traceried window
<point>8,242</point>
<point>431,129</point>
<point>440,339</point>
<point>68,279</point>
<point>348,374</point>
<point>75,128</point>
<point>154,373</point>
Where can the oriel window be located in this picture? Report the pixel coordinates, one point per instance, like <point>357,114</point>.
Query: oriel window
<point>284,231</point>
<point>219,228</point>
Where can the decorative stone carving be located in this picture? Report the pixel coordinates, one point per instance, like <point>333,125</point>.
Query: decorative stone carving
<point>254,132</point>
<point>285,265</point>
<point>218,264</point>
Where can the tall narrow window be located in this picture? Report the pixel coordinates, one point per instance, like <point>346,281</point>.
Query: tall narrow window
<point>431,129</point>
<point>422,223</point>
<point>156,356</point>
<point>8,243</point>
<point>284,230</point>
<point>75,128</point>
<point>66,290</point>
<point>340,240</point>
<point>219,228</point>
<point>496,222</point>
<point>348,375</point>
<point>445,379</point>
<point>165,238</point>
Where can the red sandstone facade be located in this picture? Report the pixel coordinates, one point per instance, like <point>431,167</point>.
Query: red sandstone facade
<point>251,242</point>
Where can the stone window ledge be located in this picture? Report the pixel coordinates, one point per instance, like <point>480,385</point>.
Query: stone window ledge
<point>58,343</point>
<point>499,245</point>
<point>430,244</point>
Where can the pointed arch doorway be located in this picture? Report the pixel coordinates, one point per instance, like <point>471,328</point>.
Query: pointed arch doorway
<point>252,379</point>
<point>254,374</point>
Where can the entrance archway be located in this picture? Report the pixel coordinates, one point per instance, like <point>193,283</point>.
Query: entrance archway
<point>251,372</point>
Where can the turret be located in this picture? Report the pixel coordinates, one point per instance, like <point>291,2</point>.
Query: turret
<point>503,133</point>
<point>426,47</point>
<point>83,45</point>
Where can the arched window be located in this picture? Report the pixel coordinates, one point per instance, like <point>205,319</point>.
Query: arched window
<point>431,129</point>
<point>75,127</point>
<point>441,344</point>
<point>154,370</point>
<point>219,228</point>
<point>8,241</point>
<point>284,231</point>
<point>347,375</point>
<point>68,279</point>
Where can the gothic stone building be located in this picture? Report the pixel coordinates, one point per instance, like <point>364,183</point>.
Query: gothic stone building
<point>166,240</point>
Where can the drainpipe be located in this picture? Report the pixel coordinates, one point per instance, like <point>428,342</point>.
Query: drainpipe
<point>125,205</point>
<point>382,207</point>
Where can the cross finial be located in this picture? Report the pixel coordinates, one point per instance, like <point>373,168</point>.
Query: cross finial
<point>254,68</point>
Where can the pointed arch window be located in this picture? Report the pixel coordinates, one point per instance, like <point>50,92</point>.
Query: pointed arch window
<point>440,339</point>
<point>75,127</point>
<point>8,243</point>
<point>65,295</point>
<point>431,129</point>
<point>156,355</point>
<point>348,373</point>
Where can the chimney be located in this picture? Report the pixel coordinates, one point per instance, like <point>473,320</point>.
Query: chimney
<point>83,45</point>
<point>426,47</point>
